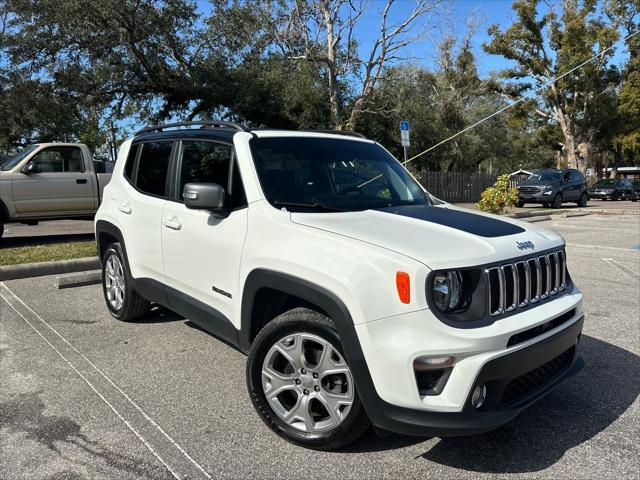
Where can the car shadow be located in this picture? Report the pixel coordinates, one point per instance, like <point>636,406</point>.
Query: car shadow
<point>158,314</point>
<point>578,410</point>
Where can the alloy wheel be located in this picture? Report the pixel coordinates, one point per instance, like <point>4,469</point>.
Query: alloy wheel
<point>114,282</point>
<point>307,383</point>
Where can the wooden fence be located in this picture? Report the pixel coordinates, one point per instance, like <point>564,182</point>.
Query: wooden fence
<point>458,187</point>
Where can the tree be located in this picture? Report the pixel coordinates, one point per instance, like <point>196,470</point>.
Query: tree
<point>627,139</point>
<point>322,32</point>
<point>544,47</point>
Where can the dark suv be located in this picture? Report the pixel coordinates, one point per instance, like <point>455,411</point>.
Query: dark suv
<point>553,187</point>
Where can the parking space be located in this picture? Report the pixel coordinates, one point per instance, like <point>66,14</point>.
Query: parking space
<point>46,232</point>
<point>84,396</point>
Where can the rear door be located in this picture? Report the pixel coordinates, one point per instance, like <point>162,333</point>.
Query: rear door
<point>61,185</point>
<point>139,206</point>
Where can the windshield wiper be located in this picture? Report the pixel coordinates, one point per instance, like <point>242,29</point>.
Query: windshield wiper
<point>316,205</point>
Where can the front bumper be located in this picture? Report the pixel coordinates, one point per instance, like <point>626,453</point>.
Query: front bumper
<point>600,195</point>
<point>537,197</point>
<point>387,385</point>
<point>497,375</point>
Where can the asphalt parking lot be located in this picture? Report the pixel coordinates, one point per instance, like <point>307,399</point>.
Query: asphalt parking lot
<point>83,396</point>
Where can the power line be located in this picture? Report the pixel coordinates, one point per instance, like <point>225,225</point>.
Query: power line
<point>519,100</point>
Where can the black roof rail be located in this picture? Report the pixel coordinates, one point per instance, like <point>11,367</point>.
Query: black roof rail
<point>203,124</point>
<point>347,133</point>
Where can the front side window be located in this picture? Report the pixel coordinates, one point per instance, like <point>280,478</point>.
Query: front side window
<point>59,160</point>
<point>209,162</point>
<point>332,174</point>
<point>153,167</point>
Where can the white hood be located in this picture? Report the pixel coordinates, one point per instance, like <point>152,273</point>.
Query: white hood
<point>439,236</point>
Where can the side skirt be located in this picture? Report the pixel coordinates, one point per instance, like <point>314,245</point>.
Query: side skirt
<point>198,312</point>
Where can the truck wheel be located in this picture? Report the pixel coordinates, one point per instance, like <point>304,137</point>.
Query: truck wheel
<point>122,300</point>
<point>557,202</point>
<point>300,383</point>
<point>583,200</point>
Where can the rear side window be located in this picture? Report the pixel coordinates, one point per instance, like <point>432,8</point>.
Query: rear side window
<point>153,167</point>
<point>576,176</point>
<point>128,166</point>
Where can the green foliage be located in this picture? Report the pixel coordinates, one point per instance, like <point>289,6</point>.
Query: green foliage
<point>495,199</point>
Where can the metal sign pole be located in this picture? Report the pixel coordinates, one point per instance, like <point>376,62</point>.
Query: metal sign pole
<point>404,138</point>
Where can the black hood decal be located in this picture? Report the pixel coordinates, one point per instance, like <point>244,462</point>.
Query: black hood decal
<point>467,222</point>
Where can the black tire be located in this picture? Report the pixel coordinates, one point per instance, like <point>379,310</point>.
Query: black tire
<point>615,197</point>
<point>582,202</point>
<point>557,202</point>
<point>545,205</point>
<point>520,204</point>
<point>1,228</point>
<point>133,305</point>
<point>292,322</point>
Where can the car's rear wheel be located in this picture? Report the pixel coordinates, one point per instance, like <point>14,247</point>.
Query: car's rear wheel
<point>520,204</point>
<point>122,300</point>
<point>557,201</point>
<point>301,384</point>
<point>582,202</point>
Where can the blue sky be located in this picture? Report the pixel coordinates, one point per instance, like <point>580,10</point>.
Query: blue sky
<point>453,20</point>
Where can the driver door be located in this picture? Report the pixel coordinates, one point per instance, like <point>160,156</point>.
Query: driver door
<point>60,186</point>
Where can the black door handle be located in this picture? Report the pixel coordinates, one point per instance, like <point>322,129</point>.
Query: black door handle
<point>81,180</point>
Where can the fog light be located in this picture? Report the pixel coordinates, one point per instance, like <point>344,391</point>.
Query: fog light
<point>433,362</point>
<point>479,395</point>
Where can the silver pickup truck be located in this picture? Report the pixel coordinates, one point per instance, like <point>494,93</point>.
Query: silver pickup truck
<point>50,181</point>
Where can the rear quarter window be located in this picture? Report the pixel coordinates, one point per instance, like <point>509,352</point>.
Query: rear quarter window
<point>128,166</point>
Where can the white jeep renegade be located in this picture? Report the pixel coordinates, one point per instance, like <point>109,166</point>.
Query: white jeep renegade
<point>359,298</point>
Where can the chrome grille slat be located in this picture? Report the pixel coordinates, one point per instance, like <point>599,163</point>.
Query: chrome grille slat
<point>546,271</point>
<point>523,302</point>
<point>528,281</point>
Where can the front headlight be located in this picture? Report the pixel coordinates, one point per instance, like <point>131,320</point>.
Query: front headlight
<point>446,290</point>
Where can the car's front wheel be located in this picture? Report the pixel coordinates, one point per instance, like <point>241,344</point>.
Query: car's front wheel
<point>301,384</point>
<point>557,201</point>
<point>122,300</point>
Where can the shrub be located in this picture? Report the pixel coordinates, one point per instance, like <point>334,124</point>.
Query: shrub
<point>495,199</point>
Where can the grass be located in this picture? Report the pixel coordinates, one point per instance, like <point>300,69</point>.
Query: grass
<point>45,253</point>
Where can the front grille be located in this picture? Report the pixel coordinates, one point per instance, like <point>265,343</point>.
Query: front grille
<point>516,285</point>
<point>529,189</point>
<point>527,383</point>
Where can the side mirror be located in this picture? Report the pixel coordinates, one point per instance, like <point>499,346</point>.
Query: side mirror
<point>29,168</point>
<point>203,196</point>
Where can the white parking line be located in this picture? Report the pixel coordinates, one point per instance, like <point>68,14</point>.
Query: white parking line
<point>7,295</point>
<point>582,227</point>
<point>602,247</point>
<point>622,267</point>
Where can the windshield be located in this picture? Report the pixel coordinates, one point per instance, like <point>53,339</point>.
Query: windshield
<point>605,183</point>
<point>545,176</point>
<point>12,161</point>
<point>332,174</point>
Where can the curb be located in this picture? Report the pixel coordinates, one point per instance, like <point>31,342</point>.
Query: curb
<point>82,279</point>
<point>26,270</point>
<point>539,218</point>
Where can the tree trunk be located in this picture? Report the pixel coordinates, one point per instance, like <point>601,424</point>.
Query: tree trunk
<point>334,94</point>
